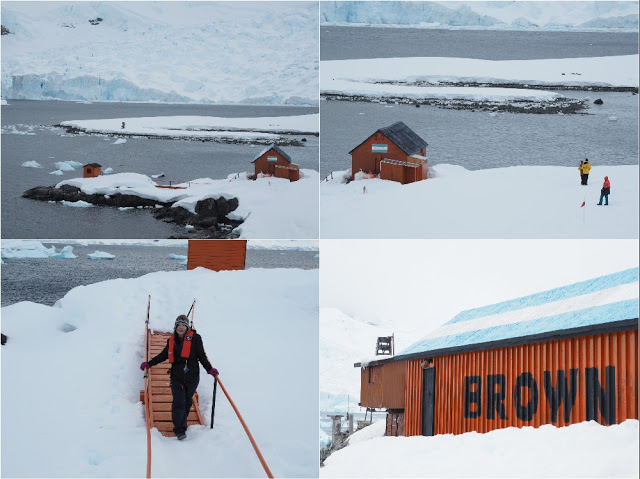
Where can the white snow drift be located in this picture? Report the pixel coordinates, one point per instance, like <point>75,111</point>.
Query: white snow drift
<point>513,202</point>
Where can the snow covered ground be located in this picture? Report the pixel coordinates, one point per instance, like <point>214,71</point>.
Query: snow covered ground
<point>371,77</point>
<point>514,202</point>
<point>71,378</point>
<point>525,15</point>
<point>270,207</point>
<point>182,52</point>
<point>265,129</point>
<point>559,452</point>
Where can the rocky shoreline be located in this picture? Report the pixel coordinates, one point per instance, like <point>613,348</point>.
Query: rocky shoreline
<point>210,219</point>
<point>282,141</point>
<point>561,105</point>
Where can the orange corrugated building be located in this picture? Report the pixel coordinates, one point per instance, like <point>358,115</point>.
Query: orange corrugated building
<point>394,152</point>
<point>275,162</point>
<point>217,254</point>
<point>559,357</point>
<point>92,170</point>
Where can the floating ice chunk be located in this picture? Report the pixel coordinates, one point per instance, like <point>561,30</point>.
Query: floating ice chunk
<point>3,102</point>
<point>119,141</point>
<point>184,263</point>
<point>100,255</point>
<point>11,249</point>
<point>613,118</point>
<point>124,208</point>
<point>189,227</point>
<point>63,166</point>
<point>31,164</point>
<point>57,172</point>
<point>493,114</point>
<point>77,204</point>
<point>177,256</point>
<point>107,171</point>
<point>66,253</point>
<point>161,175</point>
<point>159,206</point>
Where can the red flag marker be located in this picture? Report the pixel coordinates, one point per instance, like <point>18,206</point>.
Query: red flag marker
<point>582,204</point>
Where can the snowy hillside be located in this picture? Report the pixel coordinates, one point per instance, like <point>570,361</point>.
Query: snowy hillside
<point>221,52</point>
<point>486,15</point>
<point>71,378</point>
<point>559,452</point>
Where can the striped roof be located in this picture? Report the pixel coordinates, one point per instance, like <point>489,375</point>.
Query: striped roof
<point>588,305</point>
<point>276,148</point>
<point>402,136</point>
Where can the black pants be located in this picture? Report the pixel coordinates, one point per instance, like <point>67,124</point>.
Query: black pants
<point>182,400</point>
<point>584,179</point>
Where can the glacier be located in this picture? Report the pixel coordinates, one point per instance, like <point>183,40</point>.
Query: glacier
<point>171,52</point>
<point>621,16</point>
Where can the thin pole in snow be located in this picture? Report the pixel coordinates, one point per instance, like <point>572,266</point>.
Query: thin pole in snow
<point>213,405</point>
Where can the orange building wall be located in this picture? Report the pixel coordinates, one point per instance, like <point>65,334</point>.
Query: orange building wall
<point>217,254</point>
<point>615,352</point>
<point>269,167</point>
<point>387,388</point>
<point>94,171</point>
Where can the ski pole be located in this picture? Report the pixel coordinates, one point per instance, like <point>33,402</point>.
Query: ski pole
<point>213,406</point>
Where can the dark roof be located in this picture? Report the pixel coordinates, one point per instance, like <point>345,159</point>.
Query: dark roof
<point>274,147</point>
<point>404,137</point>
<point>95,165</point>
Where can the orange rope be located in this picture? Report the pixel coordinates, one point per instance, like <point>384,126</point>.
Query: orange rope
<point>146,389</point>
<point>246,429</point>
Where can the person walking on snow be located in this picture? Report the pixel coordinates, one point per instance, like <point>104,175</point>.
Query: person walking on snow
<point>604,192</point>
<point>183,350</point>
<point>586,168</point>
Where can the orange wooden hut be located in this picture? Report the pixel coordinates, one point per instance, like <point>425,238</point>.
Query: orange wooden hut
<point>217,254</point>
<point>394,152</point>
<point>92,170</point>
<point>275,162</point>
<point>559,357</point>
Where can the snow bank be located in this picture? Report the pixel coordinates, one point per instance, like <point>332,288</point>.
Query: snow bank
<point>270,207</point>
<point>100,255</point>
<point>560,452</point>
<point>265,52</point>
<point>360,76</point>
<point>266,350</point>
<point>265,128</point>
<point>13,249</point>
<point>513,202</point>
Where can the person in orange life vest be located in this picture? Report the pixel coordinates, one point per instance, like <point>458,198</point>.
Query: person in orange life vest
<point>604,192</point>
<point>586,168</point>
<point>183,350</point>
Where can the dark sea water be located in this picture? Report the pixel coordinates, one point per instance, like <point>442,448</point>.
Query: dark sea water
<point>473,139</point>
<point>179,160</point>
<point>45,281</point>
<point>343,43</point>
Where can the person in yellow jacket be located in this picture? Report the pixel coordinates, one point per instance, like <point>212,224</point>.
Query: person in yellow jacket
<point>585,169</point>
<point>580,170</point>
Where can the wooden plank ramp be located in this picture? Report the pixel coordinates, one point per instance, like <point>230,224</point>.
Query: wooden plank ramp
<point>160,392</point>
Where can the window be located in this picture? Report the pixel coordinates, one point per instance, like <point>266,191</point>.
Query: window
<point>88,170</point>
<point>272,158</point>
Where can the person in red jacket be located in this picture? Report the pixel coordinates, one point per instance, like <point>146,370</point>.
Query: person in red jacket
<point>604,192</point>
<point>184,350</point>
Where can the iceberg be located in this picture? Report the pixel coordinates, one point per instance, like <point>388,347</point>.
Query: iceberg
<point>100,255</point>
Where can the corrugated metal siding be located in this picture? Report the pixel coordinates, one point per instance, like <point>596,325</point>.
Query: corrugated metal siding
<point>615,354</point>
<point>262,165</point>
<point>362,158</point>
<point>217,254</point>
<point>387,389</point>
<point>413,398</point>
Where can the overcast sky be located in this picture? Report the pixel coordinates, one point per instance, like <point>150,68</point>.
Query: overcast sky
<point>416,285</point>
